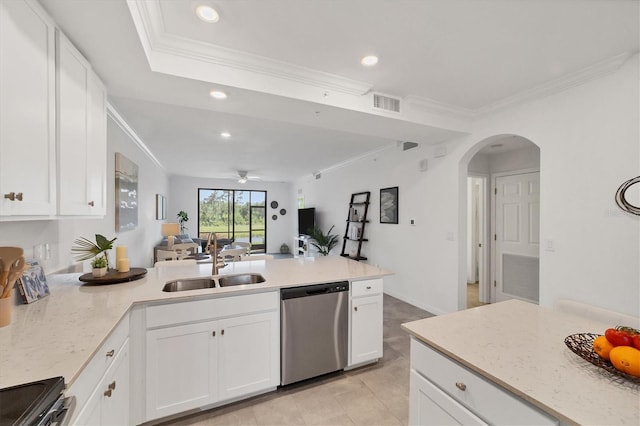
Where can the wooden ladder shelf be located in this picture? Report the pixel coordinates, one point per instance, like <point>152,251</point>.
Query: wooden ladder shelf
<point>356,222</point>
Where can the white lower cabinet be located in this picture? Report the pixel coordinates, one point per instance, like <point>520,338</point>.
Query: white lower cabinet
<point>102,390</point>
<point>249,354</point>
<point>428,405</point>
<point>443,392</point>
<point>366,321</point>
<point>198,364</point>
<point>109,403</point>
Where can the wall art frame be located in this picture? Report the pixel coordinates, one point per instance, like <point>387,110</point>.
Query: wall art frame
<point>126,172</point>
<point>161,207</point>
<point>389,205</point>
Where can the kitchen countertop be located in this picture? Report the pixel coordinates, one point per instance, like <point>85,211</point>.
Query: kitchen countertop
<point>520,346</point>
<point>57,336</point>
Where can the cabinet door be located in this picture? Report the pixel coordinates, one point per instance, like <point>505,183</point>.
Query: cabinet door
<point>115,391</point>
<point>72,85</point>
<point>249,354</point>
<point>366,329</point>
<point>181,368</point>
<point>109,401</point>
<point>428,405</point>
<point>27,105</point>
<point>96,146</point>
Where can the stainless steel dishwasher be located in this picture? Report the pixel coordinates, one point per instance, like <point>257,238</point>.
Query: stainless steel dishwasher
<point>314,330</point>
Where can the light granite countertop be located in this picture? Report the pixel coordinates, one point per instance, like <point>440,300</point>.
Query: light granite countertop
<point>57,335</point>
<point>520,346</point>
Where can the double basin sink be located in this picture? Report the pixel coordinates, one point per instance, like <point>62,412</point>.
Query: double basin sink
<point>212,282</point>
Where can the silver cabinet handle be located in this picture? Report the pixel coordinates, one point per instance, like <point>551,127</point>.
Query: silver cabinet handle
<point>19,196</point>
<point>91,203</point>
<point>355,308</point>
<point>368,287</point>
<point>213,333</point>
<point>11,196</point>
<point>222,332</point>
<point>112,385</point>
<point>110,353</point>
<point>461,386</point>
<point>107,393</point>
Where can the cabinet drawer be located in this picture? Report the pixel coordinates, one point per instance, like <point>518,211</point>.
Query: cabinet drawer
<point>366,287</point>
<point>208,309</point>
<point>490,402</point>
<point>100,362</point>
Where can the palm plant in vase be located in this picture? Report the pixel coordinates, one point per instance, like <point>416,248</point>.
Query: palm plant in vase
<point>323,242</point>
<point>85,249</point>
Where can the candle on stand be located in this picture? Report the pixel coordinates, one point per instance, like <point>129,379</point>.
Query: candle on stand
<point>121,253</point>
<point>123,265</point>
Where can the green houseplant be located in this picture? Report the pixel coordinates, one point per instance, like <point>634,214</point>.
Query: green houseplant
<point>323,242</point>
<point>183,217</point>
<point>85,249</point>
<point>99,265</point>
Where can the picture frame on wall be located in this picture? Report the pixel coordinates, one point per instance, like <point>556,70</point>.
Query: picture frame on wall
<point>161,207</point>
<point>126,193</point>
<point>389,205</point>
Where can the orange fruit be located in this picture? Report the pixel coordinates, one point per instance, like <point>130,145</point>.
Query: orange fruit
<point>626,359</point>
<point>602,347</point>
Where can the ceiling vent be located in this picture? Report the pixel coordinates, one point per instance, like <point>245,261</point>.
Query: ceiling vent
<point>386,103</point>
<point>408,145</point>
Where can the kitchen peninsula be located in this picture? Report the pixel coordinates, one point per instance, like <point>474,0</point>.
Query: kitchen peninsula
<point>507,363</point>
<point>66,333</point>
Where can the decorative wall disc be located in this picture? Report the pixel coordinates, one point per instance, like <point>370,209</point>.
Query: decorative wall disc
<point>274,204</point>
<point>274,217</point>
<point>283,212</point>
<point>622,202</point>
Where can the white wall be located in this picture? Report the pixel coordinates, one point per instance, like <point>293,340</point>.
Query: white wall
<point>589,144</point>
<point>183,195</point>
<point>61,233</point>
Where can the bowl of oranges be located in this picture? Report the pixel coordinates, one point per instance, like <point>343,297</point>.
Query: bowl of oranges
<point>617,351</point>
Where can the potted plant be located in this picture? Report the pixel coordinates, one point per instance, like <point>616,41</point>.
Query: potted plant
<point>323,242</point>
<point>85,249</point>
<point>183,217</point>
<point>99,265</point>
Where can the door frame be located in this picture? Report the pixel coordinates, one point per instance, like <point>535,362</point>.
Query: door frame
<point>484,267</point>
<point>494,230</point>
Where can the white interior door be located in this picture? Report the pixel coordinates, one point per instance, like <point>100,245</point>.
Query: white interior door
<point>517,237</point>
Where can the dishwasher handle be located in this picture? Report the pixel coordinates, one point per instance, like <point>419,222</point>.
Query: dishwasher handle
<point>314,290</point>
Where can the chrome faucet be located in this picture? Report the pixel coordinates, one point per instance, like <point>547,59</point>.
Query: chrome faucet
<point>214,255</point>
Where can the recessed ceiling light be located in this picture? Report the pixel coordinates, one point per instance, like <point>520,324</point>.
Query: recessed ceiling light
<point>369,61</point>
<point>225,134</point>
<point>217,94</point>
<point>207,13</point>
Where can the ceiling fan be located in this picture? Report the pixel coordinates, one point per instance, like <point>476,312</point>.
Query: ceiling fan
<point>243,176</point>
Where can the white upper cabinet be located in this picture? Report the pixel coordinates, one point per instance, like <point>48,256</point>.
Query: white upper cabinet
<point>27,110</point>
<point>82,134</point>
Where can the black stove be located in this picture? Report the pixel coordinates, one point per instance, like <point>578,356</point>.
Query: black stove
<point>35,403</point>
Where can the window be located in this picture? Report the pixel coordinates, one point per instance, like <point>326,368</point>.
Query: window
<point>234,215</point>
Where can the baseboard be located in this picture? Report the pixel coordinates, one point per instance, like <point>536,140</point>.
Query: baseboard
<point>431,309</point>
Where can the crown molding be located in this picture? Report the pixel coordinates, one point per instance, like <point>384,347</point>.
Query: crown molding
<point>567,81</point>
<point>173,54</point>
<point>147,17</point>
<point>120,121</point>
<point>435,107</point>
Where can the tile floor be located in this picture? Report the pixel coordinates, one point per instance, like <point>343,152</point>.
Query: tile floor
<point>372,395</point>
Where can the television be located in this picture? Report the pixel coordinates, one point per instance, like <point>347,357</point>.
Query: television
<point>306,220</point>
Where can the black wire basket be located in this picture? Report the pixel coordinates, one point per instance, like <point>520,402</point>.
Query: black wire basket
<point>582,345</point>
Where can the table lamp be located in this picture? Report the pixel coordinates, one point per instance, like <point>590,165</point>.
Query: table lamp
<point>170,230</point>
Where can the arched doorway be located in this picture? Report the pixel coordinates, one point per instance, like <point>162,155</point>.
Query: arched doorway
<point>499,221</point>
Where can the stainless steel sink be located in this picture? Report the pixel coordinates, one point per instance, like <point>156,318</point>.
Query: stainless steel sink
<point>189,284</point>
<point>242,279</point>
